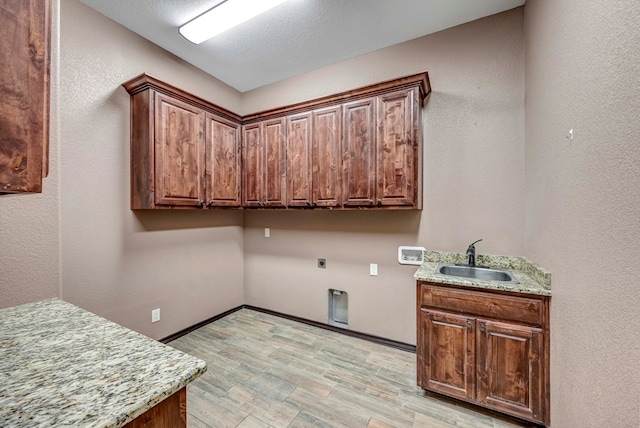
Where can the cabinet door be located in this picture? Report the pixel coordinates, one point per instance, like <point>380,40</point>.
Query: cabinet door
<point>448,353</point>
<point>222,162</point>
<point>397,148</point>
<point>325,155</point>
<point>359,153</point>
<point>24,94</point>
<point>179,152</point>
<point>299,160</point>
<point>253,166</point>
<point>510,374</point>
<point>274,137</point>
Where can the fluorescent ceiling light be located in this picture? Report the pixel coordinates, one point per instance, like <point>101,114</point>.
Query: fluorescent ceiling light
<point>223,17</point>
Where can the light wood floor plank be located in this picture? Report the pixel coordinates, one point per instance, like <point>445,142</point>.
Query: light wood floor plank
<point>269,372</point>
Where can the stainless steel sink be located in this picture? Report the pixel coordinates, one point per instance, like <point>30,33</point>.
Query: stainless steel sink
<point>475,272</point>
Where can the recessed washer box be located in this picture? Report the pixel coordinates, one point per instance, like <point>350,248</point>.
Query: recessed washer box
<point>411,255</point>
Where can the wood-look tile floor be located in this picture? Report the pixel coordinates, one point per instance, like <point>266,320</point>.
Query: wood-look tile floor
<point>267,371</point>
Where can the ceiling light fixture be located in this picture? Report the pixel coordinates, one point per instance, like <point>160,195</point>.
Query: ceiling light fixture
<point>224,16</point>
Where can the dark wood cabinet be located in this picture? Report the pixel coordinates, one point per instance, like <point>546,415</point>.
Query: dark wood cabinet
<point>382,152</point>
<point>299,166</point>
<point>397,148</point>
<point>449,356</point>
<point>264,164</point>
<point>179,152</point>
<point>24,94</point>
<point>185,152</point>
<point>222,162</point>
<point>510,368</point>
<point>352,150</point>
<point>359,154</point>
<point>326,155</point>
<point>490,349</point>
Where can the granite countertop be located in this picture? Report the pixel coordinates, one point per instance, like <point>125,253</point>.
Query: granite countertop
<point>63,366</point>
<point>532,278</point>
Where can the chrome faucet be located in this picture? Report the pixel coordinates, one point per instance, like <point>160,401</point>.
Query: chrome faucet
<point>471,252</point>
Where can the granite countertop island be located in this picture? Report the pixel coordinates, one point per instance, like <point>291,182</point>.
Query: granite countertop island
<point>63,366</point>
<point>532,279</point>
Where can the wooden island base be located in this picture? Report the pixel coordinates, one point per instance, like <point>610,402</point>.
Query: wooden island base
<point>169,413</point>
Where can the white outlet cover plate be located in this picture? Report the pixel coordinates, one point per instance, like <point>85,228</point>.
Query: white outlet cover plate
<point>373,269</point>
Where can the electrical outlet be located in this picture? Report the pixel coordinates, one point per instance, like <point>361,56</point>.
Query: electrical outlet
<point>373,269</point>
<point>267,232</point>
<point>155,315</point>
<point>322,263</point>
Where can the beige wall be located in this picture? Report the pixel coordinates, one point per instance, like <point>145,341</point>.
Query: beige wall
<point>29,224</point>
<point>583,201</point>
<point>577,203</point>
<point>115,262</point>
<point>473,180</point>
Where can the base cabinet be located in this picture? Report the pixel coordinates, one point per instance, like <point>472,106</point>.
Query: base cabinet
<point>169,413</point>
<point>473,346</point>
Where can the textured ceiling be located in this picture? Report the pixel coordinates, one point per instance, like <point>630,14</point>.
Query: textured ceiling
<point>295,37</point>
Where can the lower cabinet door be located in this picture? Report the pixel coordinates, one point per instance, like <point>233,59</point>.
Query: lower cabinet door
<point>510,369</point>
<point>448,354</point>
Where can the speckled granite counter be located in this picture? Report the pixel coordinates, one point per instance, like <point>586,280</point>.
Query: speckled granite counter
<point>533,279</point>
<point>61,366</point>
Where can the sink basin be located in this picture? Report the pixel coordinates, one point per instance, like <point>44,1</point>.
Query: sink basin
<point>473,272</point>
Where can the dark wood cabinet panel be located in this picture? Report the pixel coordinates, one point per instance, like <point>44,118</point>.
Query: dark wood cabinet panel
<point>179,148</point>
<point>169,413</point>
<point>222,162</point>
<point>353,150</point>
<point>185,152</point>
<point>509,367</point>
<point>253,165</point>
<point>326,154</point>
<point>299,165</point>
<point>275,144</point>
<point>397,148</point>
<point>358,161</point>
<point>264,164</point>
<point>449,356</point>
<point>24,94</point>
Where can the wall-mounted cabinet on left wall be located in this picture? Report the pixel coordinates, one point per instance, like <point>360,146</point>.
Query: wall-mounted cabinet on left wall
<point>25,36</point>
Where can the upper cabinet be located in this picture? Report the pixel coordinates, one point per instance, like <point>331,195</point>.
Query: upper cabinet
<point>179,152</point>
<point>264,164</point>
<point>398,150</point>
<point>222,162</point>
<point>359,154</point>
<point>185,152</point>
<point>326,156</point>
<point>353,150</point>
<point>24,94</point>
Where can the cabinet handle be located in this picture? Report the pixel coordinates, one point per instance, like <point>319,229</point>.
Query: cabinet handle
<point>379,202</point>
<point>308,203</point>
<point>469,324</point>
<point>202,203</point>
<point>210,204</point>
<point>482,328</point>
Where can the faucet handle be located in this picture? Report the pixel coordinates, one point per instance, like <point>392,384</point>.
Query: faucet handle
<point>471,249</point>
<point>475,242</point>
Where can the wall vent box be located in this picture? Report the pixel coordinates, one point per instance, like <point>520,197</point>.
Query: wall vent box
<point>411,255</point>
<point>338,308</point>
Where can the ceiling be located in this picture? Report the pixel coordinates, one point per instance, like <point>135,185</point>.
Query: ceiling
<point>295,37</point>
